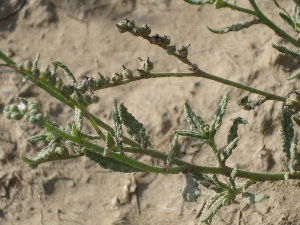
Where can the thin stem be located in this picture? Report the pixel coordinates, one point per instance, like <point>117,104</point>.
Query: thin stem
<point>203,74</point>
<point>238,8</point>
<point>213,146</point>
<point>271,25</point>
<point>182,165</point>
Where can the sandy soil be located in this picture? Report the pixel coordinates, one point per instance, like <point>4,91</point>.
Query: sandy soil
<point>83,36</point>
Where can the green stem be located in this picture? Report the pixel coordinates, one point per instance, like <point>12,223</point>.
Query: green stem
<point>182,165</point>
<point>271,25</point>
<point>238,8</point>
<point>203,74</point>
<point>213,146</point>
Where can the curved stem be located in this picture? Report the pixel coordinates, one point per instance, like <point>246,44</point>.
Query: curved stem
<point>271,25</point>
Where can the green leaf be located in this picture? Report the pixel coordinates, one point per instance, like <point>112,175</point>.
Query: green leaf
<point>296,120</point>
<point>217,118</point>
<point>213,204</point>
<point>232,134</point>
<point>118,129</point>
<point>42,137</point>
<point>78,118</point>
<point>109,143</point>
<point>194,121</point>
<point>191,192</point>
<point>297,2</point>
<point>287,19</point>
<point>293,75</point>
<point>294,162</point>
<point>233,177</point>
<point>247,104</point>
<point>250,198</point>
<point>206,181</point>
<point>287,132</point>
<point>189,133</point>
<point>173,151</point>
<point>35,62</point>
<point>200,2</point>
<point>293,53</point>
<point>66,70</point>
<point>227,150</point>
<point>134,127</point>
<point>109,163</point>
<point>234,27</point>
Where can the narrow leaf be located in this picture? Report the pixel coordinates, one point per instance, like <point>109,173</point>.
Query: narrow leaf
<point>287,132</point>
<point>217,118</point>
<point>173,151</point>
<point>293,53</point>
<point>118,129</point>
<point>200,2</point>
<point>78,118</point>
<point>214,203</point>
<point>109,163</point>
<point>67,72</point>
<point>194,121</point>
<point>293,75</point>
<point>189,133</point>
<point>42,137</point>
<point>232,133</point>
<point>227,150</point>
<point>206,182</point>
<point>250,198</point>
<point>294,153</point>
<point>247,104</point>
<point>35,62</point>
<point>234,27</point>
<point>287,19</point>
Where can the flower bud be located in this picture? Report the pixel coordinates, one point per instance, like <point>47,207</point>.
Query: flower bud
<point>59,83</point>
<point>103,80</point>
<point>146,65</point>
<point>171,49</point>
<point>35,73</point>
<point>52,81</point>
<point>127,73</point>
<point>125,25</point>
<point>116,78</point>
<point>16,116</point>
<point>183,52</point>
<point>45,73</point>
<point>95,99</point>
<point>67,90</point>
<point>27,65</point>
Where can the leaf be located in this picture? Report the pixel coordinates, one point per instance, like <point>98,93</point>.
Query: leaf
<point>118,129</point>
<point>206,182</point>
<point>134,127</point>
<point>233,177</point>
<point>287,132</point>
<point>296,120</point>
<point>250,198</point>
<point>35,62</point>
<point>66,70</point>
<point>42,137</point>
<point>189,133</point>
<point>200,2</point>
<point>191,192</point>
<point>293,75</point>
<point>217,118</point>
<point>109,143</point>
<point>109,163</point>
<point>247,104</point>
<point>287,19</point>
<point>194,121</point>
<point>294,162</point>
<point>227,150</point>
<point>234,27</point>
<point>293,53</point>
<point>214,203</point>
<point>297,2</point>
<point>78,118</point>
<point>232,133</point>
<point>172,151</point>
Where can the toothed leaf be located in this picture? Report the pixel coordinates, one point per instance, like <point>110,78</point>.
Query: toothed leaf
<point>287,132</point>
<point>173,151</point>
<point>194,121</point>
<point>67,72</point>
<point>293,53</point>
<point>191,192</point>
<point>109,163</point>
<point>234,27</point>
<point>217,118</point>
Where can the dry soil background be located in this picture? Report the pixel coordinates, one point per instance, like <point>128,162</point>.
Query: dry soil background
<point>82,35</point>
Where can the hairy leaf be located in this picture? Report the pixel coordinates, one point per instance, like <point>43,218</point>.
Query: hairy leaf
<point>200,2</point>
<point>247,104</point>
<point>287,132</point>
<point>293,75</point>
<point>78,118</point>
<point>294,162</point>
<point>234,27</point>
<point>191,192</point>
<point>134,127</point>
<point>118,129</point>
<point>232,133</point>
<point>67,72</point>
<point>109,163</point>
<point>173,151</point>
<point>293,53</point>
<point>194,121</point>
<point>233,177</point>
<point>217,118</point>
<point>206,182</point>
<point>287,19</point>
<point>227,150</point>
<point>189,133</point>
<point>250,198</point>
<point>214,203</point>
<point>42,137</point>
